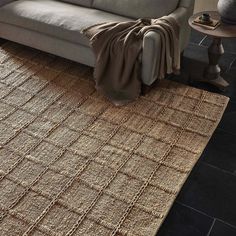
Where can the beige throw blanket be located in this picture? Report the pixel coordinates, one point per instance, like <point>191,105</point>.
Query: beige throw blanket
<point>118,46</point>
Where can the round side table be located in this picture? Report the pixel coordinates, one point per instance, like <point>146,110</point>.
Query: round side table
<point>215,51</point>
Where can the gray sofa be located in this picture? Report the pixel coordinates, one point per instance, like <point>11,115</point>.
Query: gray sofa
<point>54,26</point>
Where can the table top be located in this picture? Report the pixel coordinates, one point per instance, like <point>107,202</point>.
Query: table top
<point>222,31</point>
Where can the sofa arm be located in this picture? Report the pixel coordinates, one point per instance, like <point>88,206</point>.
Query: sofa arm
<point>187,4</point>
<point>4,2</point>
<point>152,42</point>
<point>150,57</point>
<point>182,15</point>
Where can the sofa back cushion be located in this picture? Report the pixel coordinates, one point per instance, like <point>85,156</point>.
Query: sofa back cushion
<point>137,8</point>
<point>4,2</point>
<point>86,3</point>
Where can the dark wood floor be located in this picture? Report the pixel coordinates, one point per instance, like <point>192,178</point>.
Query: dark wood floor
<point>206,206</point>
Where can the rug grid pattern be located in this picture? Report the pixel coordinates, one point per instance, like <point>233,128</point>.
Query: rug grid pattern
<point>73,164</point>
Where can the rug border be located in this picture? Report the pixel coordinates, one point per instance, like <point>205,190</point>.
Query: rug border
<point>227,99</point>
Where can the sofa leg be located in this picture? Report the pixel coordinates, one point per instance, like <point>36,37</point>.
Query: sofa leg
<point>181,59</point>
<point>145,89</point>
<point>182,55</point>
<point>2,41</point>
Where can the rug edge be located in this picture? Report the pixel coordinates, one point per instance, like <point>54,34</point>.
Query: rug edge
<point>226,100</point>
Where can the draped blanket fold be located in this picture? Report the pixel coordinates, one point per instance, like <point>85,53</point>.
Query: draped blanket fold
<point>118,48</point>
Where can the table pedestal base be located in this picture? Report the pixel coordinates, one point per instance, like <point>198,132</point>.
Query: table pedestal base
<point>212,72</point>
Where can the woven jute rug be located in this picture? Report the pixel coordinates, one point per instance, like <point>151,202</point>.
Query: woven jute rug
<point>73,164</point>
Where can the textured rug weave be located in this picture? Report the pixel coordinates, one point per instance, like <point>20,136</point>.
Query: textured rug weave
<point>73,164</point>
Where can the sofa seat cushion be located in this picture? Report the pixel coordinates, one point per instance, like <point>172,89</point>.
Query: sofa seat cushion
<point>86,3</point>
<point>55,18</point>
<point>137,8</point>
